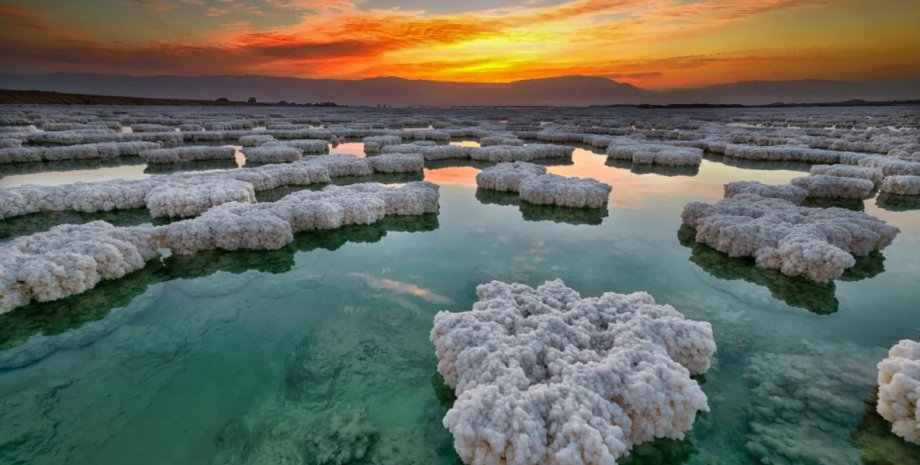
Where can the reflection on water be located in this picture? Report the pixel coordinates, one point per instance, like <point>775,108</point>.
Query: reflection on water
<point>815,297</point>
<point>196,165</point>
<point>66,172</point>
<point>898,203</point>
<point>877,444</point>
<point>533,212</point>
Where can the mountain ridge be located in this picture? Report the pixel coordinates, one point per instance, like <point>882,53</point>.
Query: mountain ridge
<point>570,90</point>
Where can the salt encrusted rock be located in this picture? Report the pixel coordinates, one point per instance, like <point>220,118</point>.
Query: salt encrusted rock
<point>552,189</point>
<point>255,140</point>
<point>901,185</point>
<point>193,196</point>
<point>375,143</point>
<point>188,153</point>
<point>307,146</point>
<point>150,128</point>
<point>788,192</point>
<point>849,171</point>
<point>654,154</point>
<point>834,187</point>
<point>892,166</point>
<point>435,152</point>
<point>506,177</point>
<point>68,260</point>
<point>397,163</point>
<point>788,153</point>
<point>546,377</point>
<point>10,143</point>
<point>506,153</point>
<point>815,243</point>
<point>272,154</point>
<point>899,390</point>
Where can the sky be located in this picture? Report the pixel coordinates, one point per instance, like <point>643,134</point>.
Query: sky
<point>654,44</point>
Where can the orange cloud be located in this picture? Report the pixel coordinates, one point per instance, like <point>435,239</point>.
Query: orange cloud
<point>667,43</point>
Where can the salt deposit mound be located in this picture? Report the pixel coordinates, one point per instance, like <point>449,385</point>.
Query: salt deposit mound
<point>373,144</point>
<point>849,171</point>
<point>70,259</point>
<point>193,196</point>
<point>901,185</point>
<point>188,153</point>
<point>899,390</point>
<point>654,154</point>
<point>272,154</point>
<point>506,177</point>
<point>793,194</point>
<point>834,187</point>
<point>101,150</point>
<point>397,163</point>
<point>546,377</point>
<point>500,153</point>
<point>307,146</point>
<point>552,189</point>
<point>815,243</point>
<point>430,152</point>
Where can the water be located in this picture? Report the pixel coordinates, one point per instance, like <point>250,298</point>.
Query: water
<point>321,349</point>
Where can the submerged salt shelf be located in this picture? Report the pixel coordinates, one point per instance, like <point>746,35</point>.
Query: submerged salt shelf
<point>326,339</point>
<point>71,259</point>
<point>544,376</point>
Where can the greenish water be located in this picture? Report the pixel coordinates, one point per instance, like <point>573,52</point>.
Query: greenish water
<point>320,350</point>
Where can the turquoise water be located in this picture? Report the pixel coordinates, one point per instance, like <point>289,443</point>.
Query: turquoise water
<point>318,353</point>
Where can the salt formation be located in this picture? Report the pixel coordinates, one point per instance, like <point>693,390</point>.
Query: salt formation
<point>815,243</point>
<point>272,154</point>
<point>788,192</point>
<point>891,166</point>
<point>234,226</point>
<point>654,154</point>
<point>504,153</point>
<point>433,152</point>
<point>849,171</point>
<point>899,390</point>
<point>188,153</point>
<point>68,260</point>
<point>397,163</point>
<point>507,177</point>
<point>835,187</point>
<point>552,189</point>
<point>193,196</point>
<point>102,150</point>
<point>499,140</point>
<point>307,146</point>
<point>375,143</point>
<point>255,140</point>
<point>544,376</point>
<point>901,185</point>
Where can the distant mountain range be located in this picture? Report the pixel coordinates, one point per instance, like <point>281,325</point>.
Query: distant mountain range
<point>558,91</point>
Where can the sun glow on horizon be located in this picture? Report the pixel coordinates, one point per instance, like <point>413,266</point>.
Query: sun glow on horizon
<point>658,45</point>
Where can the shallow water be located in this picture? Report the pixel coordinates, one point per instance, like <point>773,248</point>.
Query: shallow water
<point>322,347</point>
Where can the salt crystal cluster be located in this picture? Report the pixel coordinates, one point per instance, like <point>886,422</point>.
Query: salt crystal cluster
<point>552,189</point>
<point>899,389</point>
<point>507,177</point>
<point>901,185</point>
<point>835,187</point>
<point>849,171</point>
<point>101,150</point>
<point>71,259</point>
<point>188,153</point>
<point>815,243</point>
<point>788,192</point>
<point>68,260</point>
<point>397,163</point>
<point>430,152</point>
<point>546,377</point>
<point>307,146</point>
<point>505,153</point>
<point>654,154</point>
<point>272,154</point>
<point>255,140</point>
<point>375,143</point>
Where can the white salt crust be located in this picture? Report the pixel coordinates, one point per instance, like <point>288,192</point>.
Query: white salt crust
<point>546,377</point>
<point>814,243</point>
<point>272,154</point>
<point>552,189</point>
<point>71,259</point>
<point>899,390</point>
<point>901,185</point>
<point>506,153</point>
<point>507,177</point>
<point>834,187</point>
<point>654,154</point>
<point>188,153</point>
<point>788,192</point>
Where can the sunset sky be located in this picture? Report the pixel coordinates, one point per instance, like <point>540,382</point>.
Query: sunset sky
<point>652,44</point>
